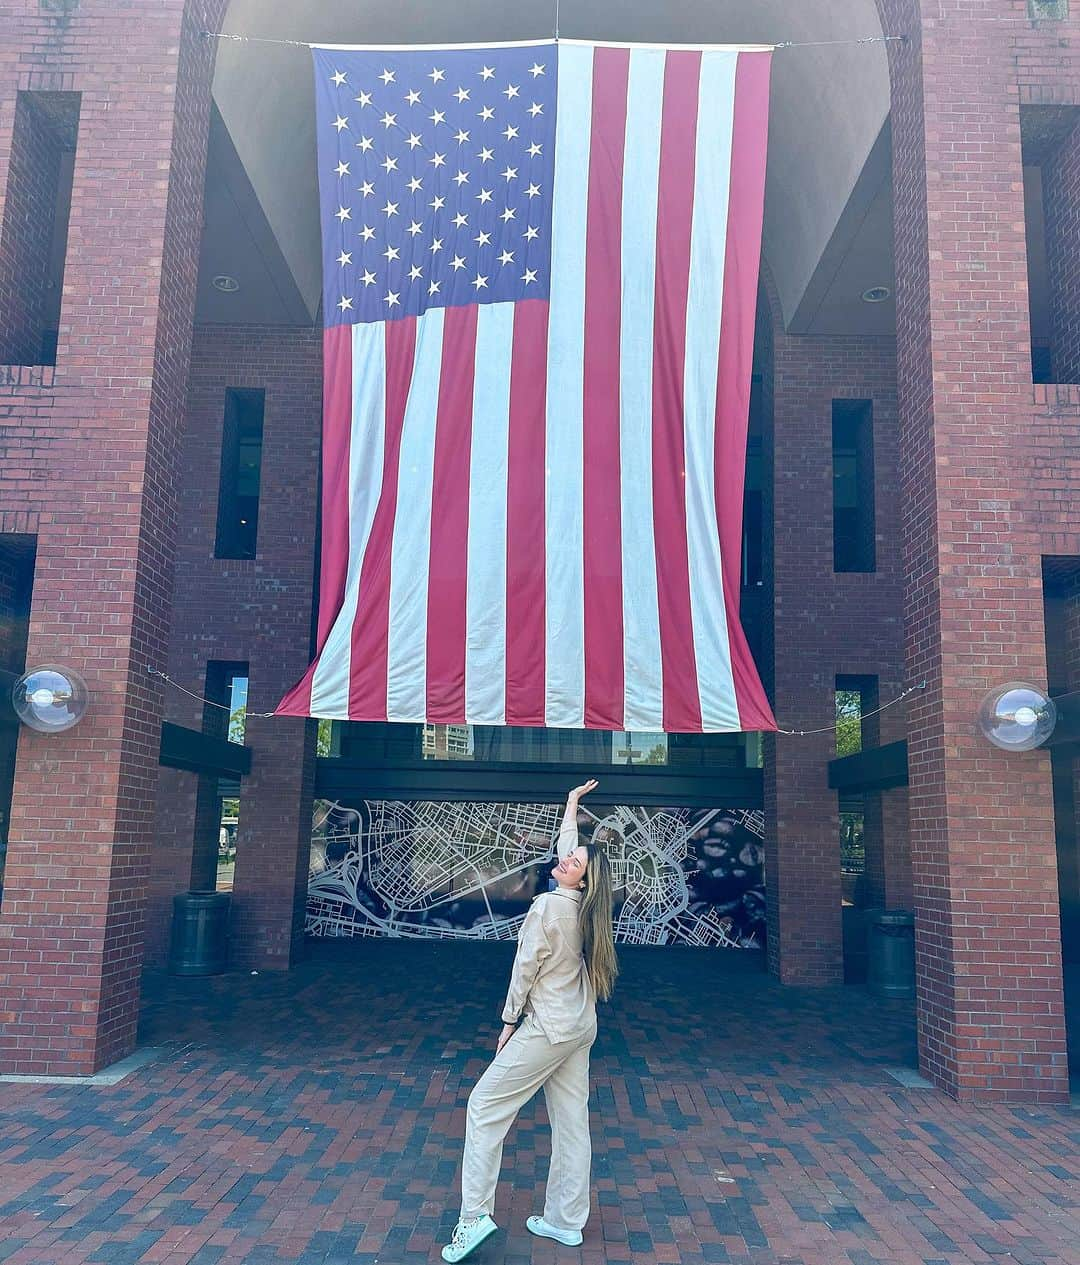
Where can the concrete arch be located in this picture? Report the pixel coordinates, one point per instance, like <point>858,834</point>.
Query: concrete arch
<point>827,190</point>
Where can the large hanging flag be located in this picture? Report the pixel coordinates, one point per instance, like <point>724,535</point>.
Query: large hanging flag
<point>540,270</point>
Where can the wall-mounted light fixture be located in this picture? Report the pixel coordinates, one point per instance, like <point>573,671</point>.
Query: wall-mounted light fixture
<point>50,699</point>
<point>1017,716</point>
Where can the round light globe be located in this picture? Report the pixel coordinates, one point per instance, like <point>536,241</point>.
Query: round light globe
<point>1017,716</point>
<point>50,699</point>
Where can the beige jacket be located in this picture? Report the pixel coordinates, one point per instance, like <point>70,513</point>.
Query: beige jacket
<point>549,979</point>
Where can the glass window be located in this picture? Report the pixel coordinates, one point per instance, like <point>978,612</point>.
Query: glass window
<point>241,474</point>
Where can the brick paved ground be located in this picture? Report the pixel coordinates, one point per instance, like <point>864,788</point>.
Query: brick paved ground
<point>316,1118</point>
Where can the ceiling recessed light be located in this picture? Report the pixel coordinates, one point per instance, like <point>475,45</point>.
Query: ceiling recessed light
<point>876,294</point>
<point>227,285</point>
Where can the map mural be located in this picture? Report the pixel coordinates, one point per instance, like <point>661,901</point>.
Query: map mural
<point>468,871</point>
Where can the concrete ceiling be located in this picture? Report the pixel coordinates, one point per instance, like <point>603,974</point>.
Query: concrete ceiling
<point>828,207</point>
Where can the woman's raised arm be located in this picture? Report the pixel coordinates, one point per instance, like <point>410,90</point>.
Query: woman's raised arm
<point>568,831</point>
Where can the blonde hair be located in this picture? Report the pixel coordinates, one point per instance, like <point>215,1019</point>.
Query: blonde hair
<point>595,917</point>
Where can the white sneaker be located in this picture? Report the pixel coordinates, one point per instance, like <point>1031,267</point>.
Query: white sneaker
<point>467,1236</point>
<point>537,1225</point>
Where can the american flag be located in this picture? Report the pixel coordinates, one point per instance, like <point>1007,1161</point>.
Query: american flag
<point>540,267</point>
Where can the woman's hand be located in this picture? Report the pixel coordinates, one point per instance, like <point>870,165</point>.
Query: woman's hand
<point>508,1031</point>
<point>584,789</point>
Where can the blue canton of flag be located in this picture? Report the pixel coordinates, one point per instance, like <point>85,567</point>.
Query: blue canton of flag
<point>435,178</point>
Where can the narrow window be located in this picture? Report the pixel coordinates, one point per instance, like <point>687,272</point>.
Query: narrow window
<point>17,556</point>
<point>241,473</point>
<point>217,809</point>
<point>853,485</point>
<point>33,237</point>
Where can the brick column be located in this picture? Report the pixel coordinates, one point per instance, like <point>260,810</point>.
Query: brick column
<point>991,1024</point>
<point>101,479</point>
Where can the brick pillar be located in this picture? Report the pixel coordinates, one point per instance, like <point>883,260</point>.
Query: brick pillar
<point>102,478</point>
<point>991,1024</point>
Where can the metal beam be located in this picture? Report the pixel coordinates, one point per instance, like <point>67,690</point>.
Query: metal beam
<point>876,769</point>
<point>183,748</point>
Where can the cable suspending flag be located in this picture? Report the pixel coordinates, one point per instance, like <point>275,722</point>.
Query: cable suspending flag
<point>540,272</point>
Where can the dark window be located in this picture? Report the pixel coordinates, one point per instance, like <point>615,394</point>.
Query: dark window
<point>217,810</point>
<point>752,493</point>
<point>33,237</point>
<point>241,472</point>
<point>17,554</point>
<point>853,485</point>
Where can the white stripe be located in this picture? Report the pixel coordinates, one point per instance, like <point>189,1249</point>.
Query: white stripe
<point>330,680</point>
<point>708,243</point>
<point>644,687</point>
<point>406,669</point>
<point>564,635</point>
<point>485,603</point>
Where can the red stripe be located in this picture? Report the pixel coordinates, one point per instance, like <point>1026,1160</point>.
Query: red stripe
<point>370,634</point>
<point>602,511</point>
<point>682,708</point>
<point>525,482</point>
<point>743,251</point>
<point>448,558</point>
<point>334,552</point>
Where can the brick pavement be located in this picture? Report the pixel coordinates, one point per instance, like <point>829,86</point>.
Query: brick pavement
<point>315,1117</point>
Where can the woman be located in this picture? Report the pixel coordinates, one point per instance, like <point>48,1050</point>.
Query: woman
<point>565,961</point>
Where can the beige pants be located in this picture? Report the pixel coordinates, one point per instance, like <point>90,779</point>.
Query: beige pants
<point>527,1061</point>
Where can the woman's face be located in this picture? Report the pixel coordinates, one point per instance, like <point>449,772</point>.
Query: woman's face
<point>570,872</point>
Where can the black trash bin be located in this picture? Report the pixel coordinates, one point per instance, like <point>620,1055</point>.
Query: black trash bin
<point>891,953</point>
<point>200,933</point>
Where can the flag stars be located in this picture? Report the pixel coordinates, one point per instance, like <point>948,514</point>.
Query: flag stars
<point>460,220</point>
<point>461,136</point>
<point>345,305</point>
<point>510,91</point>
<point>364,144</point>
<point>484,196</point>
<point>341,123</point>
<point>461,178</point>
<point>367,189</point>
<point>436,245</point>
<point>413,140</point>
<point>509,174</point>
<point>511,133</point>
<point>488,72</point>
<point>342,169</point>
<point>507,257</point>
<point>531,234</point>
<point>390,208</point>
<point>338,78</point>
<point>387,77</point>
<point>415,273</point>
<point>536,69</point>
<point>486,155</point>
<point>437,117</point>
<point>415,184</point>
<point>391,253</point>
<point>437,160</point>
<point>437,203</point>
<point>462,95</point>
<point>487,113</point>
<point>388,120</point>
<point>344,258</point>
<point>508,215</point>
<point>414,228</point>
<point>480,283</point>
<point>530,276</point>
<point>413,97</point>
<point>389,164</point>
<point>433,288</point>
<point>482,238</point>
<point>436,75</point>
<point>536,108</point>
<point>535,150</point>
<point>391,299</point>
<point>342,214</point>
<point>533,191</point>
<point>364,99</point>
<point>367,233</point>
<point>457,263</point>
<point>368,278</point>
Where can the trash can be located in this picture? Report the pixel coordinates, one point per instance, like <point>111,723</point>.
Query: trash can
<point>891,953</point>
<point>200,933</point>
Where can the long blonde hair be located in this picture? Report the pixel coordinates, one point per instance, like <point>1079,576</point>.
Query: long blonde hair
<point>595,917</point>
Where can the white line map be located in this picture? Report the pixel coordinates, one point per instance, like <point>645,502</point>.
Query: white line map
<point>403,869</point>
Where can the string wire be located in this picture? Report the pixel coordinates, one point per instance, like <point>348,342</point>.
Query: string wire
<point>785,44</point>
<point>790,733</point>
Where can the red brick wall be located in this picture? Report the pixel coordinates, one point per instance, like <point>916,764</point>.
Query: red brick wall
<point>26,233</point>
<point>91,455</point>
<point>258,612</point>
<point>824,625</point>
<point>982,833</point>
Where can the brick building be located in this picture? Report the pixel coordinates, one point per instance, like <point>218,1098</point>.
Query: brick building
<point>910,518</point>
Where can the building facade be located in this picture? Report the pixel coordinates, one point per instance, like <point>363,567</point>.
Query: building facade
<point>911,522</point>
